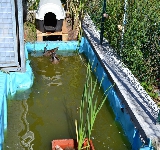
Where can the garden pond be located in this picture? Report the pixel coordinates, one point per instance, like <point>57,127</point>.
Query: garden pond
<point>48,110</point>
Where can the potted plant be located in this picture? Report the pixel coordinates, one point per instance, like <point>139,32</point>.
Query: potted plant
<point>89,109</point>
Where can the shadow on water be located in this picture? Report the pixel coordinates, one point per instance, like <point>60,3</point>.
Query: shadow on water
<point>70,120</point>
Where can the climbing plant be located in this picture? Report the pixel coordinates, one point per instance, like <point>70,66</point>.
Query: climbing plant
<point>140,51</point>
<point>29,7</point>
<point>32,4</point>
<point>76,10</point>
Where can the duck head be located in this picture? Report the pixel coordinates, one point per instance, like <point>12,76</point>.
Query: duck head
<point>46,52</point>
<point>54,50</point>
<point>49,52</point>
<point>54,58</point>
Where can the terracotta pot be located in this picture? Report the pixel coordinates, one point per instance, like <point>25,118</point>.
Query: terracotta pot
<point>69,144</point>
<point>64,143</point>
<point>90,143</point>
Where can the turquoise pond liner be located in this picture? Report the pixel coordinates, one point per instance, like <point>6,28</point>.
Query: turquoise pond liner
<point>10,83</point>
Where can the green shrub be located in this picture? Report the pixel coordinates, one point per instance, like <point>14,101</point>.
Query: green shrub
<point>140,51</point>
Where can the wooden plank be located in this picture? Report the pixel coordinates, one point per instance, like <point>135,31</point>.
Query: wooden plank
<point>39,38</point>
<point>64,27</point>
<point>38,32</point>
<point>50,33</point>
<point>64,37</point>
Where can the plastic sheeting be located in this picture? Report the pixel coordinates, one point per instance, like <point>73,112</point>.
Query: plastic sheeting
<point>20,81</point>
<point>3,106</point>
<point>39,46</point>
<point>115,102</point>
<point>53,6</point>
<point>9,84</point>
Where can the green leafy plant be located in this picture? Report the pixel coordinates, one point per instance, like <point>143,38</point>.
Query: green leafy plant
<point>77,10</point>
<point>30,32</point>
<point>33,4</point>
<point>141,38</point>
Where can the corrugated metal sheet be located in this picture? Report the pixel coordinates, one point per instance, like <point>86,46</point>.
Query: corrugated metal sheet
<point>8,40</point>
<point>9,37</point>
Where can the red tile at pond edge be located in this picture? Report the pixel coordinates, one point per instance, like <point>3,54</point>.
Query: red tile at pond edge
<point>70,143</point>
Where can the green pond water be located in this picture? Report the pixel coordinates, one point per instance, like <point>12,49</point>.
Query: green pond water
<point>48,110</point>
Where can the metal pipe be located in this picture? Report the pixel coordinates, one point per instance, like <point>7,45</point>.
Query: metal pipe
<point>102,22</point>
<point>124,22</point>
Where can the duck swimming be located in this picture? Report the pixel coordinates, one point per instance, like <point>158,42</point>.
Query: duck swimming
<point>54,58</point>
<point>49,52</point>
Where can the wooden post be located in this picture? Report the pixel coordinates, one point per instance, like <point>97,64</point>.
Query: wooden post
<point>64,33</point>
<point>39,36</point>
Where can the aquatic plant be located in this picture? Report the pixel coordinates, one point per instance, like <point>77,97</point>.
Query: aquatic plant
<point>89,108</point>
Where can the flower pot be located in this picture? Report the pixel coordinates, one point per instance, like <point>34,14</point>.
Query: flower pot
<point>64,143</point>
<point>91,147</point>
<point>70,144</point>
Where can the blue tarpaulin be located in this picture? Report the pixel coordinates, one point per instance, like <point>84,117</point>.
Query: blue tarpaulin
<point>10,83</point>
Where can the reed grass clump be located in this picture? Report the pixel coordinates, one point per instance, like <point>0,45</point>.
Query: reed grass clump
<point>89,108</point>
